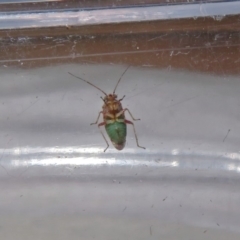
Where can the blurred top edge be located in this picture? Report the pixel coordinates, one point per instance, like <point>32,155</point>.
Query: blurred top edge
<point>59,5</point>
<point>76,17</point>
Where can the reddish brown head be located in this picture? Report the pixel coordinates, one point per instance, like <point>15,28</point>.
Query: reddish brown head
<point>110,97</point>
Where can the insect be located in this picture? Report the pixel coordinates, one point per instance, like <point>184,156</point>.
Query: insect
<point>114,117</point>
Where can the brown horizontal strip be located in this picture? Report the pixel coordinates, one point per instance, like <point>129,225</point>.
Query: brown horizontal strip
<point>203,44</point>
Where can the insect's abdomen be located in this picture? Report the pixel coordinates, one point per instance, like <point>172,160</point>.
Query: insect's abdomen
<point>117,132</point>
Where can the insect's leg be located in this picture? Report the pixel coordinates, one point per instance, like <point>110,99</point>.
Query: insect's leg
<point>129,122</point>
<point>97,118</point>
<point>102,99</point>
<point>99,125</point>
<point>134,119</point>
<point>121,98</point>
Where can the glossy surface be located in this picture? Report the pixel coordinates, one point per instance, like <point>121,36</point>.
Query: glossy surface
<point>117,15</point>
<point>57,182</point>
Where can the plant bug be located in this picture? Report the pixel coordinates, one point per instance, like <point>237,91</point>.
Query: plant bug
<point>114,117</point>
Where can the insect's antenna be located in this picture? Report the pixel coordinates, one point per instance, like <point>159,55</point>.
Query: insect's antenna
<point>121,78</point>
<point>88,83</point>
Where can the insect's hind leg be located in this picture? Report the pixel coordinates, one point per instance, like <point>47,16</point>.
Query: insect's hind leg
<point>129,122</point>
<point>99,125</point>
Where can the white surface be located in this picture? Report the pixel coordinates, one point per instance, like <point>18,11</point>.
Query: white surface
<point>118,15</point>
<point>56,182</point>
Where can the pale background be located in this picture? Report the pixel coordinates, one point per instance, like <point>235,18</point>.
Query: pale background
<point>56,182</point>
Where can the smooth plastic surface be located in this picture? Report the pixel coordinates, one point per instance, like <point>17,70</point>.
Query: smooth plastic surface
<point>56,182</point>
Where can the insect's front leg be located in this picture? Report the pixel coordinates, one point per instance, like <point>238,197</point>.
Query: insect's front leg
<point>97,118</point>
<point>122,98</point>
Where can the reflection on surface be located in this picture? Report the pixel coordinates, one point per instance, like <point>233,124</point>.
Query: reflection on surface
<point>57,183</point>
<point>75,156</point>
<point>118,15</point>
<point>46,116</point>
